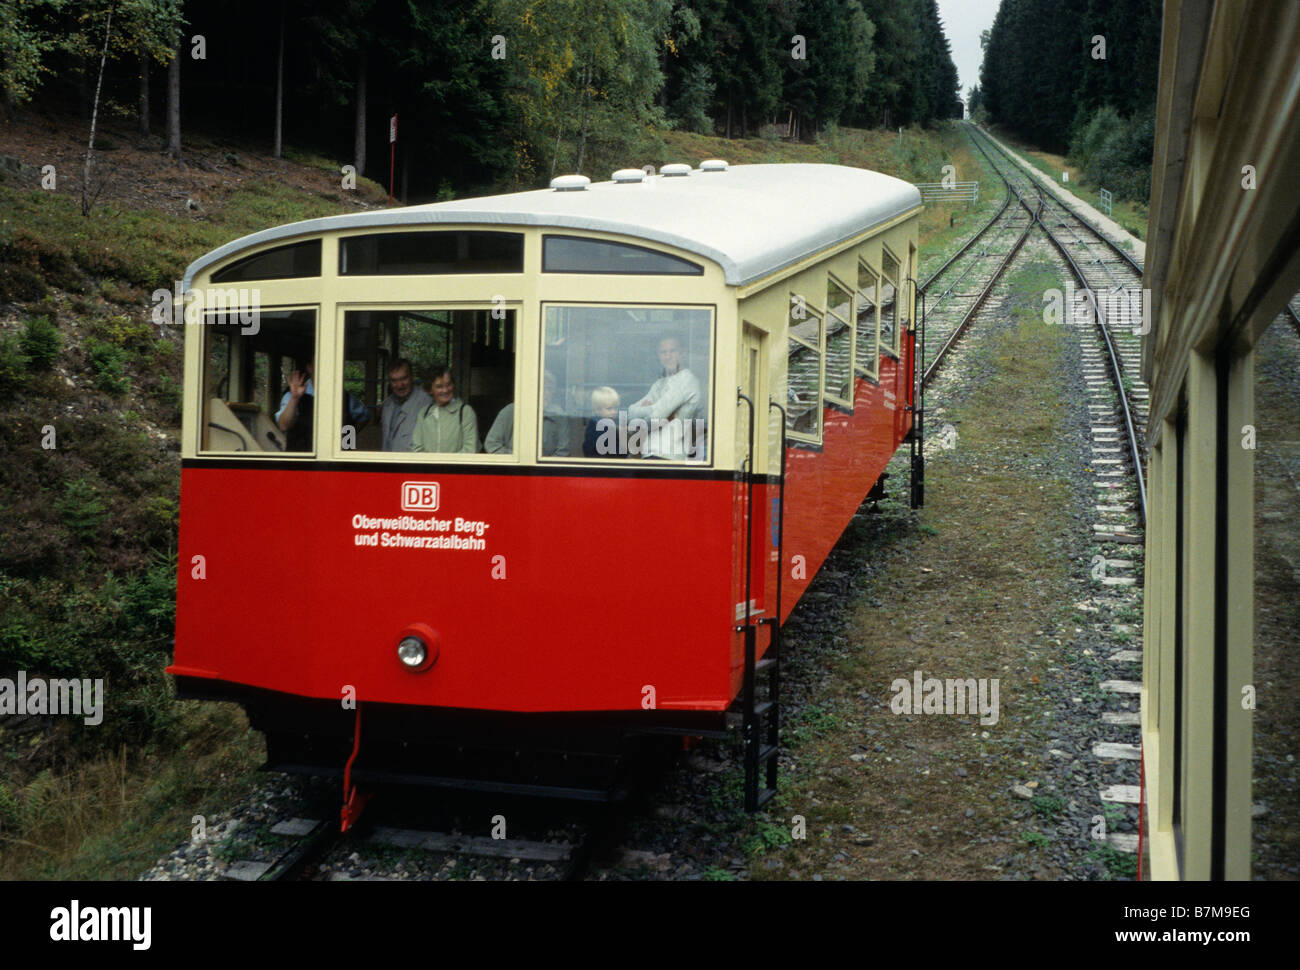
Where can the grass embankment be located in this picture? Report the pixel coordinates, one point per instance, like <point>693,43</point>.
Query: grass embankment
<point>88,525</point>
<point>89,419</point>
<point>977,586</point>
<point>1131,215</point>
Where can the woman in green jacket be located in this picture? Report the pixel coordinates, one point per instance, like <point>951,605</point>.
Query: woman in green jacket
<point>448,424</point>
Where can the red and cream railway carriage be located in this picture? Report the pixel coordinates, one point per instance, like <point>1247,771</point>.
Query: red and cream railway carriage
<point>514,618</point>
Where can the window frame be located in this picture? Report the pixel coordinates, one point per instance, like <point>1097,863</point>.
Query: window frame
<point>818,349</point>
<point>893,348</point>
<point>341,241</point>
<point>845,403</point>
<point>629,462</point>
<point>338,453</point>
<point>202,389</point>
<point>873,373</point>
<point>216,277</point>
<point>547,236</point>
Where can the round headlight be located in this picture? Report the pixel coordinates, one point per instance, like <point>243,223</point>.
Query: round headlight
<point>412,652</point>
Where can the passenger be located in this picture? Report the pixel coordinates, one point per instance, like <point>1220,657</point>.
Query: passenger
<point>501,436</point>
<point>298,404</point>
<point>402,408</point>
<point>671,406</point>
<point>601,439</point>
<point>447,424</point>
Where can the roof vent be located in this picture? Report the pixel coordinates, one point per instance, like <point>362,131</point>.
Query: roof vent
<point>713,165</point>
<point>675,169</point>
<point>570,183</point>
<point>628,175</point>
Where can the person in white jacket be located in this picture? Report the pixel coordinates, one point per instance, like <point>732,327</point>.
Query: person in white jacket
<point>671,407</point>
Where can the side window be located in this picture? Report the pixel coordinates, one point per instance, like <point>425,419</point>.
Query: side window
<point>429,380</point>
<point>867,308</point>
<point>889,303</point>
<point>574,254</point>
<point>281,263</point>
<point>839,343</point>
<point>258,387</point>
<point>804,371</point>
<point>626,382</point>
<point>431,253</point>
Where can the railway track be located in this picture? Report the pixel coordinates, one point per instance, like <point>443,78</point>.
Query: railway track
<point>1105,311</point>
<point>470,845</point>
<point>959,288</point>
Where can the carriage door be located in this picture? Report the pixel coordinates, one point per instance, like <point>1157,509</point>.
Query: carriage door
<point>753,384</point>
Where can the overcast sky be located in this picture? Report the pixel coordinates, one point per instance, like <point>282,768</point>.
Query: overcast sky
<point>962,22</point>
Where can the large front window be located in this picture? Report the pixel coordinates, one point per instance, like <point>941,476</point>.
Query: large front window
<point>435,380</point>
<point>626,382</point>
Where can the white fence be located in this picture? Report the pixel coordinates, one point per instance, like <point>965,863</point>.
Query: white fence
<point>950,192</point>
<point>1106,200</point>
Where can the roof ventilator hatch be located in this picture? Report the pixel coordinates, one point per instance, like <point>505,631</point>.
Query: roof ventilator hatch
<point>628,176</point>
<point>570,183</point>
<point>676,169</point>
<point>713,165</point>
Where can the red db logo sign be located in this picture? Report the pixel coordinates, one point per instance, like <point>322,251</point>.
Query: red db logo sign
<point>419,496</point>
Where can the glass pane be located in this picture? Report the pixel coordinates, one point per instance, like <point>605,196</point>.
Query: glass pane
<point>431,253</point>
<point>839,360</point>
<point>805,324</point>
<point>432,379</point>
<point>571,254</point>
<point>283,262</point>
<point>259,392</point>
<point>867,324</point>
<point>889,303</point>
<point>837,299</point>
<point>803,392</point>
<point>627,382</point>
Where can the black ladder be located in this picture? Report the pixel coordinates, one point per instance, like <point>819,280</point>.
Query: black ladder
<point>762,715</point>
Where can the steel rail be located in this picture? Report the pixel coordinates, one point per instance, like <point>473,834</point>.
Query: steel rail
<point>1116,369</point>
<point>1295,317</point>
<point>1051,192</point>
<point>988,288</point>
<point>970,242</point>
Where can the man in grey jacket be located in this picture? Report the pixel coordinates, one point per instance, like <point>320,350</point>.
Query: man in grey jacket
<point>403,407</point>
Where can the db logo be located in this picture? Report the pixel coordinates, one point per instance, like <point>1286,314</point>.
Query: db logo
<point>419,496</point>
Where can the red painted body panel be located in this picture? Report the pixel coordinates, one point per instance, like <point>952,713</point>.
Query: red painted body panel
<point>610,585</point>
<point>825,487</point>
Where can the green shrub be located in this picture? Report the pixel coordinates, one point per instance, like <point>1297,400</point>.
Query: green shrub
<point>41,342</point>
<point>81,508</point>
<point>167,392</point>
<point>108,363</point>
<point>1115,153</point>
<point>13,366</point>
<point>121,331</point>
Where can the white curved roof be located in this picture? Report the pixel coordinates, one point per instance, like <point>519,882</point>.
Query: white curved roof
<point>751,219</point>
